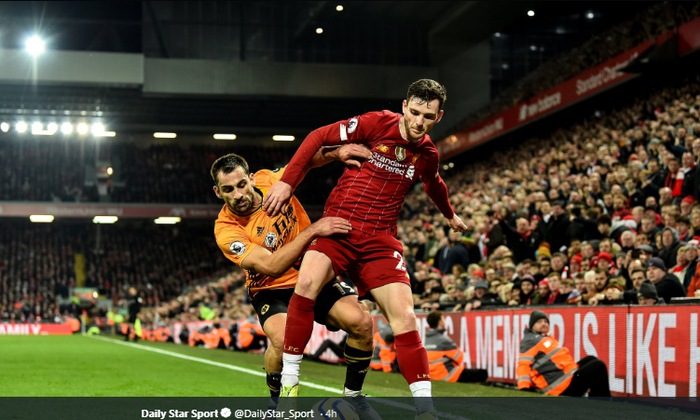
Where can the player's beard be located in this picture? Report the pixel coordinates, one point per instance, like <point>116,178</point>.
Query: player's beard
<point>410,134</point>
<point>243,206</point>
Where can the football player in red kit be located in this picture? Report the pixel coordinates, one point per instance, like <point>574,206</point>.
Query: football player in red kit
<point>370,197</point>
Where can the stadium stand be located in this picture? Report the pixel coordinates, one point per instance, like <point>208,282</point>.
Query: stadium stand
<point>38,264</point>
<point>579,170</point>
<point>658,18</point>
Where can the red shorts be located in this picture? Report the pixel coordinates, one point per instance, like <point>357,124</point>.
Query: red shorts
<point>371,261</point>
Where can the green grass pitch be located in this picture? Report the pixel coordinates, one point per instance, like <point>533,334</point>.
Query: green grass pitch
<point>80,366</point>
<point>40,365</point>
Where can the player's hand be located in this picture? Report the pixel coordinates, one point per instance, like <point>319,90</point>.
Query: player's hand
<point>457,224</point>
<point>350,154</point>
<point>277,198</point>
<point>328,226</point>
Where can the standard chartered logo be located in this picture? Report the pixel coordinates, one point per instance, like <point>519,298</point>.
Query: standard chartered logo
<point>225,412</point>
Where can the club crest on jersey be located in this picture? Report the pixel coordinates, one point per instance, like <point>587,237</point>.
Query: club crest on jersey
<point>264,310</point>
<point>237,248</point>
<point>400,153</point>
<point>414,159</point>
<point>260,230</point>
<point>352,125</point>
<point>270,239</point>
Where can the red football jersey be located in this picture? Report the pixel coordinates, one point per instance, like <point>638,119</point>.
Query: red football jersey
<point>371,197</point>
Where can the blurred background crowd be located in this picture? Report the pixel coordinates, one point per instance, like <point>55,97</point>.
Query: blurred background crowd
<point>604,210</point>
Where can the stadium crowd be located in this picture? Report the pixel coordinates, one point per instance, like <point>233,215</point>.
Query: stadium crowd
<point>56,173</point>
<point>657,19</point>
<point>574,221</point>
<point>590,213</point>
<point>38,264</point>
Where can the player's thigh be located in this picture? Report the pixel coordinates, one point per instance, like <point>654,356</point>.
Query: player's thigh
<point>271,307</point>
<point>396,302</point>
<point>316,271</point>
<point>334,293</point>
<point>381,263</point>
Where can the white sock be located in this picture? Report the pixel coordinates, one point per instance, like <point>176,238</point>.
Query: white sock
<point>420,389</point>
<point>351,393</point>
<point>290,369</point>
<point>422,395</point>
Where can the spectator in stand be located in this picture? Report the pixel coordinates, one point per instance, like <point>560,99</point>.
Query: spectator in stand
<point>521,240</point>
<point>667,285</point>
<point>671,244</point>
<point>630,294</point>
<point>527,289</point>
<point>482,297</point>
<point>554,282</point>
<point>647,294</point>
<point>541,295</point>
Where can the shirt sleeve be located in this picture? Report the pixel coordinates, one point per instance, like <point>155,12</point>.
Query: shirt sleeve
<point>435,187</point>
<point>353,130</point>
<point>235,245</point>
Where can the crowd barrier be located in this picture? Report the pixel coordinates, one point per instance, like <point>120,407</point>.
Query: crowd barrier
<point>650,351</point>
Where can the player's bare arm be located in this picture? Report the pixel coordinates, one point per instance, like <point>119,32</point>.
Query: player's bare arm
<point>265,262</point>
<point>279,195</point>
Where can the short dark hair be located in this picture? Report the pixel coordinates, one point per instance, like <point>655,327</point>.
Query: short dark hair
<point>434,318</point>
<point>427,90</point>
<point>604,220</point>
<point>639,270</point>
<point>227,164</point>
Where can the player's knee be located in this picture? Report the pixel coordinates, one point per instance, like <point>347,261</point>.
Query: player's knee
<point>405,322</point>
<point>361,327</point>
<point>306,286</point>
<point>277,342</point>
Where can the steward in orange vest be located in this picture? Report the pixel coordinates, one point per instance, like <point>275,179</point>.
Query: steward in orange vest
<point>544,363</point>
<point>249,335</point>
<point>162,334</point>
<point>445,357</point>
<point>218,337</point>
<point>384,355</point>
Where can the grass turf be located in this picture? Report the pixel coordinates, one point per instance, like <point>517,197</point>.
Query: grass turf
<point>83,366</point>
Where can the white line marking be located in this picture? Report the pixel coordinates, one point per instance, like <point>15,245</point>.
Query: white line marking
<point>210,362</point>
<point>256,373</point>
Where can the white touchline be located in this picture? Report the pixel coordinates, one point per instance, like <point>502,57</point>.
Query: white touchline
<point>255,373</point>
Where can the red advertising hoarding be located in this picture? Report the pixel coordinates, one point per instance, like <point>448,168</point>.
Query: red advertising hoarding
<point>568,93</point>
<point>34,329</point>
<point>650,351</point>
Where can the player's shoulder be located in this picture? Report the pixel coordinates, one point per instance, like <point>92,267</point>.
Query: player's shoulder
<point>265,178</point>
<point>384,115</point>
<point>427,146</point>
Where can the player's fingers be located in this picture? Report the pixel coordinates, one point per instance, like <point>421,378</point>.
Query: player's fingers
<point>353,162</point>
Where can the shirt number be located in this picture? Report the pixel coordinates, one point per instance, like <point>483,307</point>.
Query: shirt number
<point>400,265</point>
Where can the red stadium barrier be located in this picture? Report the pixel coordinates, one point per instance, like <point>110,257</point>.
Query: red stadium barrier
<point>35,329</point>
<point>573,90</point>
<point>650,351</point>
